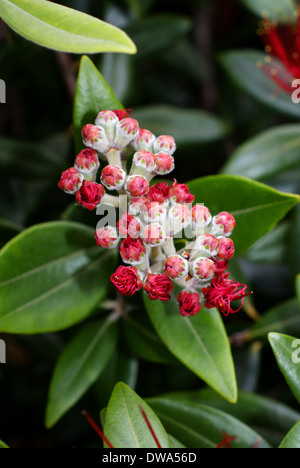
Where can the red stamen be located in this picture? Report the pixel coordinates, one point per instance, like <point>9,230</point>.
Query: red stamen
<point>122,114</point>
<point>226,441</point>
<point>222,292</point>
<point>96,428</point>
<point>150,427</point>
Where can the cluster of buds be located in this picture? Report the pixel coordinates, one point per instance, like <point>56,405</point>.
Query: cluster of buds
<point>155,216</point>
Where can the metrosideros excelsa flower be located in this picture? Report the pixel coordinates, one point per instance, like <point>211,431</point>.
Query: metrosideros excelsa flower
<point>158,287</point>
<point>153,216</point>
<point>189,303</point>
<point>127,280</point>
<point>90,195</point>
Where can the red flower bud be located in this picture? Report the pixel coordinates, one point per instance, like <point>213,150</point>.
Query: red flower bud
<point>132,250</point>
<point>90,194</point>
<point>153,235</point>
<point>203,269</point>
<point>164,143</point>
<point>189,303</point>
<point>144,140</point>
<point>159,192</point>
<point>164,163</point>
<point>95,137</point>
<point>108,120</point>
<point>201,216</point>
<point>180,193</point>
<point>87,161</point>
<point>113,177</point>
<point>223,224</point>
<point>226,249</point>
<point>206,245</point>
<point>107,237</point>
<point>128,225</point>
<point>144,160</point>
<point>126,131</point>
<point>127,280</point>
<point>154,212</point>
<point>70,181</point>
<point>138,205</point>
<point>158,287</point>
<point>136,186</point>
<point>176,266</point>
<point>122,113</point>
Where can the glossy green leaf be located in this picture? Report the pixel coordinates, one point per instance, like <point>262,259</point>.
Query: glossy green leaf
<point>3,445</point>
<point>81,362</point>
<point>176,442</point>
<point>187,126</point>
<point>156,33</point>
<point>60,276</point>
<point>268,154</point>
<point>60,28</point>
<point>280,10</point>
<point>292,439</point>
<point>144,341</point>
<point>242,67</point>
<point>93,94</point>
<point>250,202</point>
<point>125,426</point>
<point>199,342</point>
<point>270,418</point>
<point>271,249</point>
<point>287,353</point>
<point>201,426</point>
<point>282,318</point>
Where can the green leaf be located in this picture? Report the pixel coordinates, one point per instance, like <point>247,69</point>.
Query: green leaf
<point>287,353</point>
<point>271,249</point>
<point>144,341</point>
<point>292,439</point>
<point>242,68</point>
<point>60,28</point>
<point>158,32</point>
<point>282,318</point>
<point>281,10</point>
<point>117,70</point>
<point>92,95</point>
<point>187,126</point>
<point>3,445</point>
<point>201,426</point>
<point>268,154</point>
<point>193,341</point>
<point>60,276</point>
<point>256,207</point>
<point>270,418</point>
<point>80,364</point>
<point>125,426</point>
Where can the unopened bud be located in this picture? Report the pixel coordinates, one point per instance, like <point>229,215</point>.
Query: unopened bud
<point>223,224</point>
<point>203,269</point>
<point>87,162</point>
<point>145,161</point>
<point>206,245</point>
<point>164,163</point>
<point>94,137</point>
<point>113,177</point>
<point>226,248</point>
<point>107,237</point>
<point>176,267</point>
<point>164,143</point>
<point>126,131</point>
<point>153,235</point>
<point>132,251</point>
<point>70,181</point>
<point>144,140</point>
<point>136,186</point>
<point>108,120</point>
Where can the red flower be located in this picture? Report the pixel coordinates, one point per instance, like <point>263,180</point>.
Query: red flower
<point>127,280</point>
<point>70,181</point>
<point>132,250</point>
<point>158,287</point>
<point>189,303</point>
<point>128,225</point>
<point>221,267</point>
<point>181,193</point>
<point>90,194</point>
<point>226,249</point>
<point>122,113</point>
<point>159,192</point>
<point>282,42</point>
<point>222,292</point>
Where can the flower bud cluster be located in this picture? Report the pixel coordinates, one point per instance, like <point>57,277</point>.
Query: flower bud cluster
<point>156,214</point>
